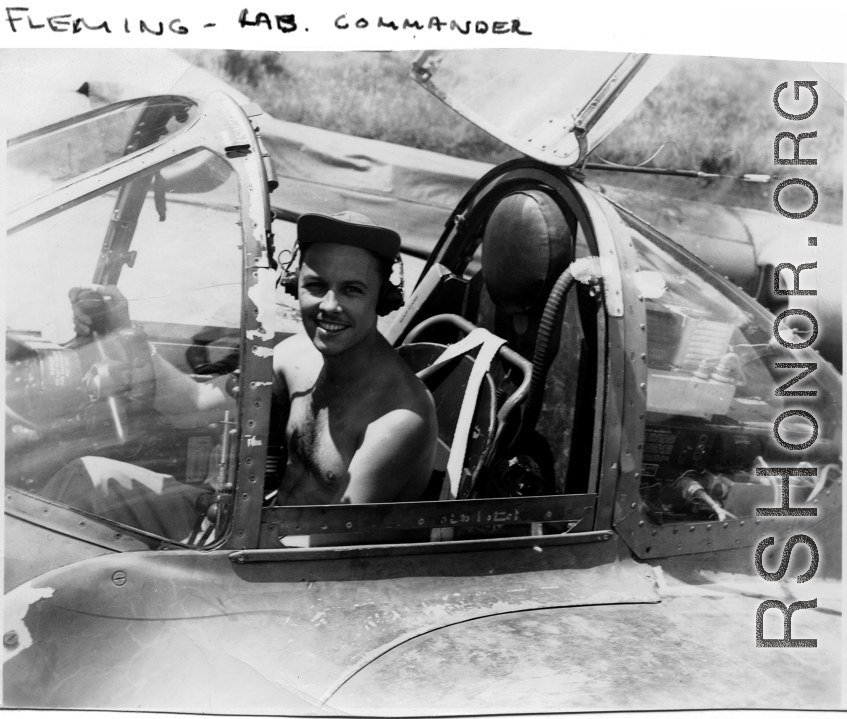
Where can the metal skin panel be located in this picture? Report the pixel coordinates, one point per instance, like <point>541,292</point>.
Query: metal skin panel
<point>30,550</point>
<point>321,519</point>
<point>258,338</point>
<point>628,353</point>
<point>619,405</point>
<point>182,630</point>
<point>672,655</point>
<point>649,540</point>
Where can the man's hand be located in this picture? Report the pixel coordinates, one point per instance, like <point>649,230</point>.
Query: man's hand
<point>98,308</point>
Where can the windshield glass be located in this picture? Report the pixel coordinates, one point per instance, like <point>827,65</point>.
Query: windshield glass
<point>42,160</point>
<point>712,380</point>
<point>130,420</point>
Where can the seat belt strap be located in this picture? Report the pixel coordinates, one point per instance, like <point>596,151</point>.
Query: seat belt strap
<point>490,345</point>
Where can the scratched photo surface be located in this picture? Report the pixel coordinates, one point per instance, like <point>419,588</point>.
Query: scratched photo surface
<point>633,500</point>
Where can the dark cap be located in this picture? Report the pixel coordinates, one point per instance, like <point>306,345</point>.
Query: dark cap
<point>348,228</point>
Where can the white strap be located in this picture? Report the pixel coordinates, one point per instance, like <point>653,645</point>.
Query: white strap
<point>490,346</point>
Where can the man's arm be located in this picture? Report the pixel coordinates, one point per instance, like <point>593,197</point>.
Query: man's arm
<point>394,461</point>
<point>176,393</point>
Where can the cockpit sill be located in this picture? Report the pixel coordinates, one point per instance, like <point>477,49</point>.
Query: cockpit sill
<point>536,543</point>
<point>570,513</point>
<point>334,522</point>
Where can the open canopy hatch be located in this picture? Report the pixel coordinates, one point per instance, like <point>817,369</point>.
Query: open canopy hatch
<point>552,105</point>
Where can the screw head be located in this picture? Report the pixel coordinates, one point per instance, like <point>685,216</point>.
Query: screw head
<point>10,639</point>
<point>119,578</point>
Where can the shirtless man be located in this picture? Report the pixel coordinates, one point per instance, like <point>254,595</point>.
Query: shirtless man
<point>360,426</point>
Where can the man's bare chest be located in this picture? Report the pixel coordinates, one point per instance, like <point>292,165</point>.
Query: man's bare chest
<point>322,439</point>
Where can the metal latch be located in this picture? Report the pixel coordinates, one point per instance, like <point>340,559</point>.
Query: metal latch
<point>237,150</point>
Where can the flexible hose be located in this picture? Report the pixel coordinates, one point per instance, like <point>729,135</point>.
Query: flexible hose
<point>545,352</point>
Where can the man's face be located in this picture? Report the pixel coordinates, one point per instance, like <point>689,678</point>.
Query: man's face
<point>338,292</point>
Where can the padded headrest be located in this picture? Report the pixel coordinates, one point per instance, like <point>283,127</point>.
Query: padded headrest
<point>526,246</point>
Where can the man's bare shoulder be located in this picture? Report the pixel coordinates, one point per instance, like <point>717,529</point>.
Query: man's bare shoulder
<point>294,355</point>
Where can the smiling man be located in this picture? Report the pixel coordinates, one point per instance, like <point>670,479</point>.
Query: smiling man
<point>360,425</point>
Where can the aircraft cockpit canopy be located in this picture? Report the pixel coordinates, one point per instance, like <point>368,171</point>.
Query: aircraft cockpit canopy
<point>40,161</point>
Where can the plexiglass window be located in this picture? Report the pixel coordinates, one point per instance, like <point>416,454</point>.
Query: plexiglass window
<point>712,377</point>
<point>130,422</point>
<point>40,161</point>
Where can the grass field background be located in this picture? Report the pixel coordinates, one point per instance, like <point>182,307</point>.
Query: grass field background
<point>710,114</point>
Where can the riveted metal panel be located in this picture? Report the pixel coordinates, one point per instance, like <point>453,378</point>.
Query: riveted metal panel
<point>625,400</point>
<point>628,358</point>
<point>607,234</point>
<point>253,388</point>
<point>307,519</point>
<point>274,636</point>
<point>649,540</point>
